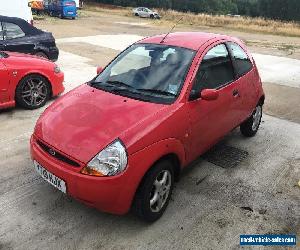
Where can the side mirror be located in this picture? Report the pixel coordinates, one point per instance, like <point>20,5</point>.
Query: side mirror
<point>209,94</point>
<point>99,70</point>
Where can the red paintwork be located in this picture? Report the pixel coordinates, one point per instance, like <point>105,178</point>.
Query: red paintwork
<point>209,94</point>
<point>86,120</point>
<point>25,65</point>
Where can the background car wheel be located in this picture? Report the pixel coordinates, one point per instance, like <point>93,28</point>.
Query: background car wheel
<point>41,54</point>
<point>136,14</point>
<point>152,16</point>
<point>153,195</point>
<point>33,91</point>
<point>250,127</point>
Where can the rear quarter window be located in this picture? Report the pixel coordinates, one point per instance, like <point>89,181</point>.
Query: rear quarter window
<point>241,61</point>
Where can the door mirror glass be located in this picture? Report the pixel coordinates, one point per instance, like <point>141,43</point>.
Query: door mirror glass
<point>99,70</point>
<point>209,94</point>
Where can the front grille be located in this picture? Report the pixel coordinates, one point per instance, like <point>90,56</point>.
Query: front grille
<point>53,153</point>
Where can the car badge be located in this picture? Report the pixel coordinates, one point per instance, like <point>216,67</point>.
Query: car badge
<point>51,152</point>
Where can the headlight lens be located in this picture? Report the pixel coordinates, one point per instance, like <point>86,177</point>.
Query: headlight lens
<point>56,69</point>
<point>109,162</point>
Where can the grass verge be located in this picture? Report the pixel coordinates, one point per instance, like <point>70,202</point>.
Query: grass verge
<point>247,24</point>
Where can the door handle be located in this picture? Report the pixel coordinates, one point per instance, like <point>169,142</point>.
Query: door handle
<point>236,93</point>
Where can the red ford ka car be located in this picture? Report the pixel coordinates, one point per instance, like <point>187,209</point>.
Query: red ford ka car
<point>120,141</point>
<point>28,81</point>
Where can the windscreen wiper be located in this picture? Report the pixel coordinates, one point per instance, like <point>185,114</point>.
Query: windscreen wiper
<point>121,84</point>
<point>157,91</point>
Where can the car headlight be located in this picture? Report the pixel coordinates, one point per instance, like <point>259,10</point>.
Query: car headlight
<point>56,69</point>
<point>109,162</point>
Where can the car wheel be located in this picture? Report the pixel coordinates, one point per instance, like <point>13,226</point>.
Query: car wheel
<point>41,54</point>
<point>33,92</point>
<point>152,16</point>
<point>153,195</point>
<point>250,127</point>
<point>136,14</point>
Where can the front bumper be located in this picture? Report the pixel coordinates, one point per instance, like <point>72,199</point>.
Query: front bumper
<point>57,84</point>
<point>108,194</point>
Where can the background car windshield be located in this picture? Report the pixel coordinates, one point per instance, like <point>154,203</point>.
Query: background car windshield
<point>159,69</point>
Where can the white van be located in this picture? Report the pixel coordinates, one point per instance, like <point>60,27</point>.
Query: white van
<point>16,8</point>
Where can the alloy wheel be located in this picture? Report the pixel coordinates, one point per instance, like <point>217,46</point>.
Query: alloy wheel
<point>34,91</point>
<point>256,117</point>
<point>160,190</point>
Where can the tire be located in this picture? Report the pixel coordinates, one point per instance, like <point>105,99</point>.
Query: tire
<point>33,91</point>
<point>159,183</point>
<point>152,16</point>
<point>41,54</point>
<point>136,14</point>
<point>250,127</point>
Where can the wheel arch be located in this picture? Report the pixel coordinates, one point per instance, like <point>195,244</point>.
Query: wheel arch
<point>34,73</point>
<point>262,100</point>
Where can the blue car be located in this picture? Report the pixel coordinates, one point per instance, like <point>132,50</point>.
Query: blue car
<point>62,8</point>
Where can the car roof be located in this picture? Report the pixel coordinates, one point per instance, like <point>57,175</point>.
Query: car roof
<point>27,28</point>
<point>190,40</point>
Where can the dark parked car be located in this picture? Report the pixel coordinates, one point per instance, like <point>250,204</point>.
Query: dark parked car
<point>17,35</point>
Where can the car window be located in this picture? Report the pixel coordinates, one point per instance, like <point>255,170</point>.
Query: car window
<point>13,31</point>
<point>241,61</point>
<point>149,71</point>
<point>215,70</point>
<point>1,32</point>
<point>166,53</point>
<point>136,59</point>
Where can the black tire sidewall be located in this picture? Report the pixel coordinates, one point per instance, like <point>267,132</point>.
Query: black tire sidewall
<point>246,127</point>
<point>41,54</point>
<point>142,201</point>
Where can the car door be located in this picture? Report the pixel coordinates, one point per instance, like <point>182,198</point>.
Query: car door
<point>147,12</point>
<point>15,39</point>
<point>211,120</point>
<point>144,12</point>
<point>4,83</point>
<point>245,77</point>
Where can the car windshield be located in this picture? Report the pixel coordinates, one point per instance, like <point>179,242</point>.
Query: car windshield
<point>149,72</point>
